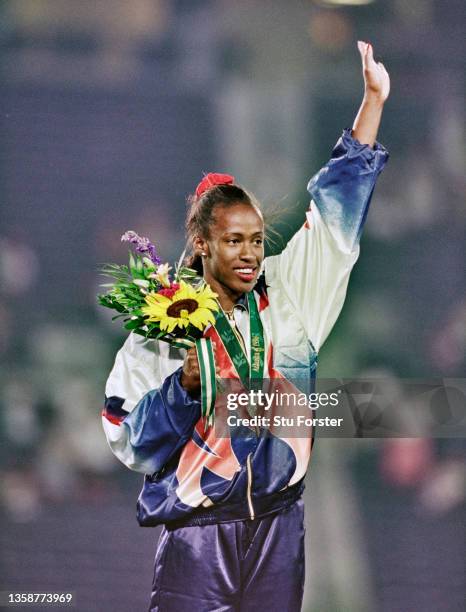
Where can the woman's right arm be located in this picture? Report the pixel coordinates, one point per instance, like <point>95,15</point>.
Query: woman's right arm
<point>148,414</point>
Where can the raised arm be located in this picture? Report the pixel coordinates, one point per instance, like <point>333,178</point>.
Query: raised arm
<point>376,90</point>
<point>309,278</point>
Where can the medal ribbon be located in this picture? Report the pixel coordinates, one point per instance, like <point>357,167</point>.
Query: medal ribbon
<point>246,371</point>
<point>206,359</point>
<point>249,373</point>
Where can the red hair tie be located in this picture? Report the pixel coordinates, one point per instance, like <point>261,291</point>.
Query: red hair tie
<point>212,180</point>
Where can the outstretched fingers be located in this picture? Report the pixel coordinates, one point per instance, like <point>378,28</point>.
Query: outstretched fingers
<point>369,56</point>
<point>362,48</point>
<point>367,53</point>
<point>376,77</point>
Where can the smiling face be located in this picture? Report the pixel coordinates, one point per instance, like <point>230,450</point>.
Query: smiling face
<point>234,250</point>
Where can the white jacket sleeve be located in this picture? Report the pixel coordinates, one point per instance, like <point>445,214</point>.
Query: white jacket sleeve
<point>148,416</point>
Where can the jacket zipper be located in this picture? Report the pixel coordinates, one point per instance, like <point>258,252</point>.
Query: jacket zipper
<point>249,496</point>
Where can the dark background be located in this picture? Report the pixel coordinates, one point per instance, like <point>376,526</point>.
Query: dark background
<point>109,114</point>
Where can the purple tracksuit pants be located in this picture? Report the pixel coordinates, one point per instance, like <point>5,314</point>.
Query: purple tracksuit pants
<point>239,566</point>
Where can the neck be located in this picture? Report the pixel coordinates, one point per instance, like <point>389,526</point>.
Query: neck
<point>226,296</point>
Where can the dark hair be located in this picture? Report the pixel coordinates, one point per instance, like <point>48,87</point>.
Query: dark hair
<point>200,214</point>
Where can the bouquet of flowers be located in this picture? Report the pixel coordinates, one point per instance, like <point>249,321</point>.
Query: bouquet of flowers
<point>155,306</point>
<point>152,304</point>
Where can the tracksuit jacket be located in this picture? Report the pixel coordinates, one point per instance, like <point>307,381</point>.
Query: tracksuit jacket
<point>193,477</point>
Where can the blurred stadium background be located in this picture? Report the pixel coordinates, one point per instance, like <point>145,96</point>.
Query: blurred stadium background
<point>110,112</point>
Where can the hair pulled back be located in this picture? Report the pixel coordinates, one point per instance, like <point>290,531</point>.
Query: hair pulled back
<point>201,214</point>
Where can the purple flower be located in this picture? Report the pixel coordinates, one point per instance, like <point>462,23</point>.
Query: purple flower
<point>130,236</point>
<point>143,245</point>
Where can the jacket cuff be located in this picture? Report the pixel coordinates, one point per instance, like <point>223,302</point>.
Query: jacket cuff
<point>351,147</point>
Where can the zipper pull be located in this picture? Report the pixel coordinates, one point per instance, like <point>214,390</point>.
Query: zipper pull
<point>249,489</point>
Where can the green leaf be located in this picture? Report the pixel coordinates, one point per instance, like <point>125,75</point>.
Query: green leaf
<point>132,262</point>
<point>133,324</point>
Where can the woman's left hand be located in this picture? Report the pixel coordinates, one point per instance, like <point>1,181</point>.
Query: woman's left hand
<point>376,78</point>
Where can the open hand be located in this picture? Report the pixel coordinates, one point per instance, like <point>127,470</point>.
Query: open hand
<point>376,78</point>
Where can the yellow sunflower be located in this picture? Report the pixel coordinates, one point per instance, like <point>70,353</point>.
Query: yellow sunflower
<point>186,306</point>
